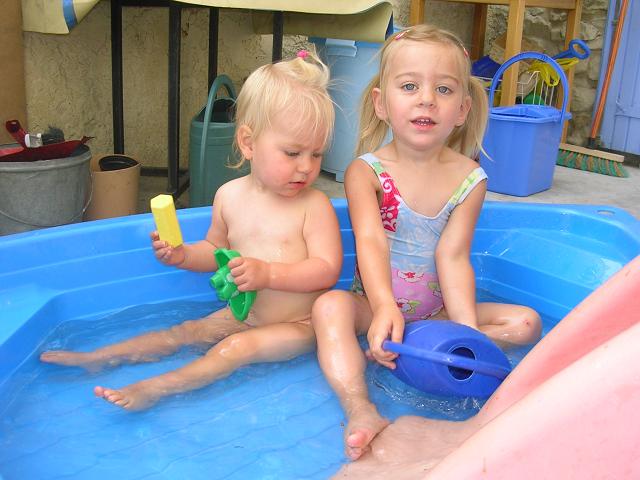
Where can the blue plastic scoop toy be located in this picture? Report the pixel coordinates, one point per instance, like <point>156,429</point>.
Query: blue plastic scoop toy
<point>239,302</point>
<point>447,359</point>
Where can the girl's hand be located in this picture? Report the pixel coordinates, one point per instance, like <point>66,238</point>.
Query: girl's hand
<point>387,322</point>
<point>249,273</point>
<point>165,253</point>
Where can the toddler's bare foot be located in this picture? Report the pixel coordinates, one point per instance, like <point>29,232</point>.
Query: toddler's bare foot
<point>86,360</point>
<point>364,424</point>
<point>133,397</point>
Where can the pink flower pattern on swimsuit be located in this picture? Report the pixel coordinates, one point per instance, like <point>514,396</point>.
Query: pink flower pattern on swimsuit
<point>417,293</point>
<point>406,306</point>
<point>390,202</point>
<point>411,277</point>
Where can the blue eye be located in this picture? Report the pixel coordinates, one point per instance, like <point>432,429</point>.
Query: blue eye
<point>443,89</point>
<point>409,87</point>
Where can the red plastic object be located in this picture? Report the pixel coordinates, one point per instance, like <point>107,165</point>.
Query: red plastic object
<point>46,152</point>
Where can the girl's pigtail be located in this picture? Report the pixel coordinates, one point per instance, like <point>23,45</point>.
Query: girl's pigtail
<point>467,139</point>
<point>476,120</point>
<point>372,130</point>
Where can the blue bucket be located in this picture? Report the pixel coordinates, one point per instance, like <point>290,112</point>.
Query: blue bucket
<point>522,141</point>
<point>448,359</point>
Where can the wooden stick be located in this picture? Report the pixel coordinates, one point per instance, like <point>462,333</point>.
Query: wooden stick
<point>614,157</point>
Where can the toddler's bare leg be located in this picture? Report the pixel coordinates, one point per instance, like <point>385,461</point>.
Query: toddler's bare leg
<point>338,317</point>
<point>270,343</point>
<point>150,346</point>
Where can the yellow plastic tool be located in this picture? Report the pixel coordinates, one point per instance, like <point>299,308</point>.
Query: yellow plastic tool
<point>547,74</point>
<point>164,214</point>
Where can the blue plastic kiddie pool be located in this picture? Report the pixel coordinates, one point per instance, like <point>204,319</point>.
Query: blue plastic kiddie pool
<point>85,285</point>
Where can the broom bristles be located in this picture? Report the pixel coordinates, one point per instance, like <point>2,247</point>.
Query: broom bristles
<point>590,163</point>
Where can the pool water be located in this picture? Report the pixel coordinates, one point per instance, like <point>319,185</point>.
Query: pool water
<point>267,421</point>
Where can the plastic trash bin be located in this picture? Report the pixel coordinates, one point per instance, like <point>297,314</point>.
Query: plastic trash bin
<point>352,67</point>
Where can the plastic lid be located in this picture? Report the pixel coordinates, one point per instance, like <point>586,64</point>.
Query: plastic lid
<point>528,113</point>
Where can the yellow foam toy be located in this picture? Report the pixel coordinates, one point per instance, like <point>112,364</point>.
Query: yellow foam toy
<point>164,214</point>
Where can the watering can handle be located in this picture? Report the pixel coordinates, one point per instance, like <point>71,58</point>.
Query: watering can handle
<point>220,81</point>
<point>534,56</point>
<point>448,359</point>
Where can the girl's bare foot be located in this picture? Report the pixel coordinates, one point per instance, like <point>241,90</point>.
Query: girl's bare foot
<point>86,360</point>
<point>133,397</point>
<point>364,424</point>
<point>409,448</point>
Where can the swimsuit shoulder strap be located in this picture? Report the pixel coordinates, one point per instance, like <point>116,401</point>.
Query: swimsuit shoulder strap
<point>467,186</point>
<point>373,162</point>
<point>391,195</point>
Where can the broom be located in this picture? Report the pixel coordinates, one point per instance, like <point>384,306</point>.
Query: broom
<point>591,160</point>
<point>586,158</point>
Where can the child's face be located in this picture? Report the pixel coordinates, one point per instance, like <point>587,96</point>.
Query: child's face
<point>424,97</point>
<point>282,160</point>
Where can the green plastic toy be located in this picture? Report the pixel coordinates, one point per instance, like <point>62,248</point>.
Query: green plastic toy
<point>533,99</point>
<point>239,302</point>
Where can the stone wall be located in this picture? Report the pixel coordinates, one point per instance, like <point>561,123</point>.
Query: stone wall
<point>68,77</point>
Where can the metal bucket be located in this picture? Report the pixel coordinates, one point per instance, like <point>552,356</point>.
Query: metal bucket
<point>44,193</point>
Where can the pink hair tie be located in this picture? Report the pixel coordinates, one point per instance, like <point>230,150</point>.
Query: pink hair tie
<point>400,35</point>
<point>302,54</point>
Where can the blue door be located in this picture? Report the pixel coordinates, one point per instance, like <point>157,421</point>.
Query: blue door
<point>620,128</point>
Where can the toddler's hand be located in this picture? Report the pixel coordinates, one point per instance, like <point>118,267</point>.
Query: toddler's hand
<point>387,322</point>
<point>249,273</point>
<point>165,253</point>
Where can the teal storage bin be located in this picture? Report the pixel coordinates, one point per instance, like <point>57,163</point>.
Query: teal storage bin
<point>352,66</point>
<point>522,141</point>
<point>211,145</point>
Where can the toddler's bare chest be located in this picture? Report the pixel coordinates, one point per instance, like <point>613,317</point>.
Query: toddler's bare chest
<point>268,236</point>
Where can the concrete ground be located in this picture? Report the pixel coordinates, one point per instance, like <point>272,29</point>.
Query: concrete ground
<point>570,186</point>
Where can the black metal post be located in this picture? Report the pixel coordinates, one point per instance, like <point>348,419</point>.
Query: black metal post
<point>116,76</point>
<point>175,17</point>
<point>214,18</point>
<point>278,33</point>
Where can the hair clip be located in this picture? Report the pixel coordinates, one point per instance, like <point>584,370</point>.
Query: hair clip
<point>400,35</point>
<point>302,54</point>
<point>466,54</point>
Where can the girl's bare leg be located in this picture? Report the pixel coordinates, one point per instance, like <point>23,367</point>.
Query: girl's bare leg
<point>270,343</point>
<point>507,325</point>
<point>338,317</point>
<point>149,346</point>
